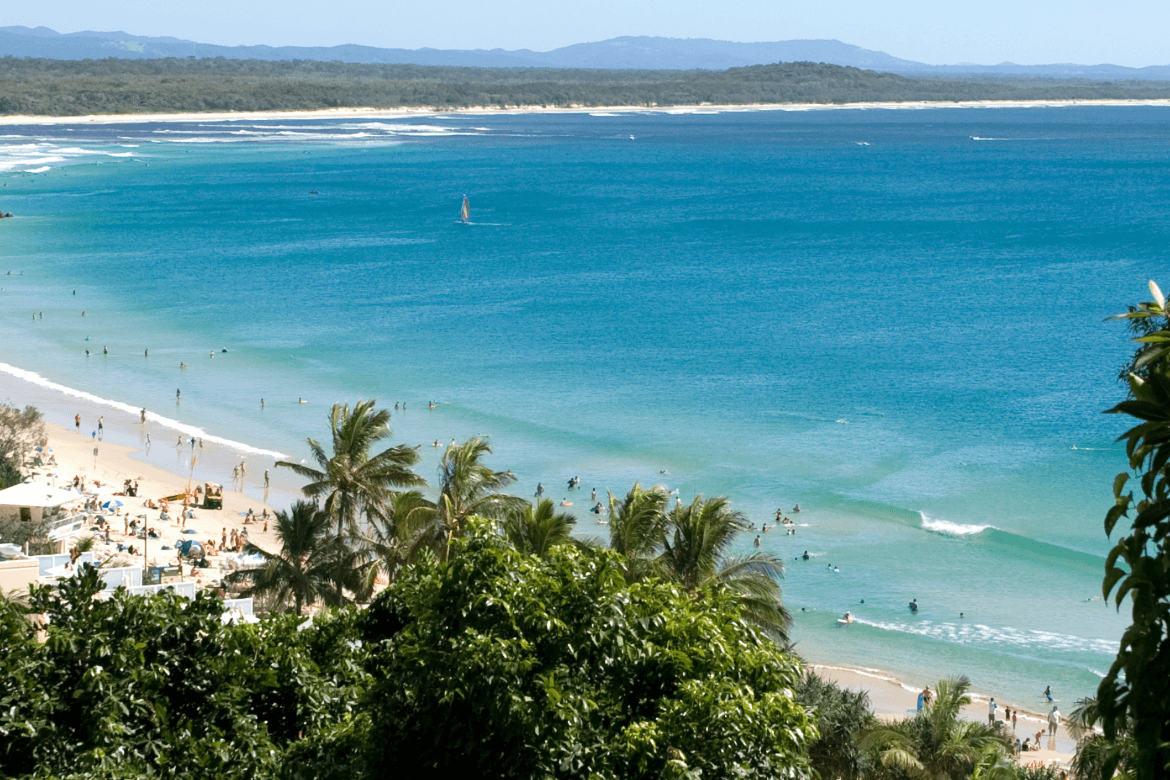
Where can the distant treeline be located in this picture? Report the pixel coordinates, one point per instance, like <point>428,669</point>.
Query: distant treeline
<point>118,86</point>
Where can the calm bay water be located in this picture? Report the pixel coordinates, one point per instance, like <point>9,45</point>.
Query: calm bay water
<point>893,318</point>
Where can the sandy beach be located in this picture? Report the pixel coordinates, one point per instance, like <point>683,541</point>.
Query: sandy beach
<point>408,113</point>
<point>894,699</point>
<point>108,471</point>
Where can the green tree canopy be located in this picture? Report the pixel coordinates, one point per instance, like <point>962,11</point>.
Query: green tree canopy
<point>495,663</point>
<point>1135,694</point>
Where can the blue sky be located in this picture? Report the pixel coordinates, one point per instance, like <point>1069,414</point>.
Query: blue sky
<point>1122,32</point>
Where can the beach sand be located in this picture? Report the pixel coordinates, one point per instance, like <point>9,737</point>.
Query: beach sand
<point>415,112</point>
<point>893,699</point>
<point>113,465</point>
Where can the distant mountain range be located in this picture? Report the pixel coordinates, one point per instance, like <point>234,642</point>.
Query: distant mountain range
<point>626,53</point>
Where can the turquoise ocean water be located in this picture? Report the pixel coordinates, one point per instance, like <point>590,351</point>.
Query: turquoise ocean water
<point>893,318</point>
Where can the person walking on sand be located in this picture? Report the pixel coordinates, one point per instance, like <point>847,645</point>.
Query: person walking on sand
<point>265,479</point>
<point>77,422</point>
<point>100,429</point>
<point>142,414</point>
<point>1053,722</point>
<point>991,706</point>
<point>921,701</point>
<point>1014,713</point>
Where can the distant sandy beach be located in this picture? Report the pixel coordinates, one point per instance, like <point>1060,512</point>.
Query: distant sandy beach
<point>410,113</point>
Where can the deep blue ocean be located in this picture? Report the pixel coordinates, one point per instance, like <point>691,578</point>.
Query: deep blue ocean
<point>894,318</point>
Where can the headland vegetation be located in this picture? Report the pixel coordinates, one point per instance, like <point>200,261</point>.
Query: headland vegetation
<point>43,87</point>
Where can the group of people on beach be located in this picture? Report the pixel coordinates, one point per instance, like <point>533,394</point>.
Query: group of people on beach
<point>1012,716</point>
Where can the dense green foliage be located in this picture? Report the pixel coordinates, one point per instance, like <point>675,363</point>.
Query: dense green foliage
<point>841,717</point>
<point>499,664</point>
<point>493,661</point>
<point>1135,695</point>
<point>157,687</point>
<point>72,87</point>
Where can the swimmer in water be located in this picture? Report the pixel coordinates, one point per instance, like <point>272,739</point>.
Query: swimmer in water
<point>300,400</point>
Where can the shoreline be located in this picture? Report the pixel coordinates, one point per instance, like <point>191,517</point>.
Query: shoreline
<point>434,111</point>
<point>892,698</point>
<point>130,439</point>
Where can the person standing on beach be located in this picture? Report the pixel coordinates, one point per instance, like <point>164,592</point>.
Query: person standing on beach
<point>77,422</point>
<point>1053,722</point>
<point>100,430</point>
<point>1014,722</point>
<point>265,479</point>
<point>921,701</point>
<point>991,705</point>
<point>142,414</point>
<point>928,695</point>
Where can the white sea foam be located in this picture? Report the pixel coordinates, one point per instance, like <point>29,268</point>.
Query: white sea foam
<point>977,634</point>
<point>42,169</point>
<point>187,430</point>
<point>951,529</point>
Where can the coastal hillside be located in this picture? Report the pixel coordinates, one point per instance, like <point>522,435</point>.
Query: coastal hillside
<point>637,52</point>
<point>44,87</point>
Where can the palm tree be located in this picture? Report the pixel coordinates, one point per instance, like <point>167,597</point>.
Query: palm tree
<point>355,484</point>
<point>304,571</point>
<point>393,538</point>
<point>697,537</point>
<point>1095,751</point>
<point>937,744</point>
<point>637,528</point>
<point>537,529</point>
<point>467,487</point>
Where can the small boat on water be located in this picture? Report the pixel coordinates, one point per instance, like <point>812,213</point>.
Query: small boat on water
<point>465,212</point>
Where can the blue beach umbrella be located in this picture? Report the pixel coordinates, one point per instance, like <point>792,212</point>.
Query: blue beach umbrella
<point>112,503</point>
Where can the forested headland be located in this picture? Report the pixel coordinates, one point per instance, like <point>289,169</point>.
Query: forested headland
<point>43,87</point>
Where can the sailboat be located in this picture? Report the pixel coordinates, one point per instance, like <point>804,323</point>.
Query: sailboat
<point>465,211</point>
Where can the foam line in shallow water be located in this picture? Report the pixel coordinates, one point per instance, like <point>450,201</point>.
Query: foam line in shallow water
<point>977,634</point>
<point>187,430</point>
